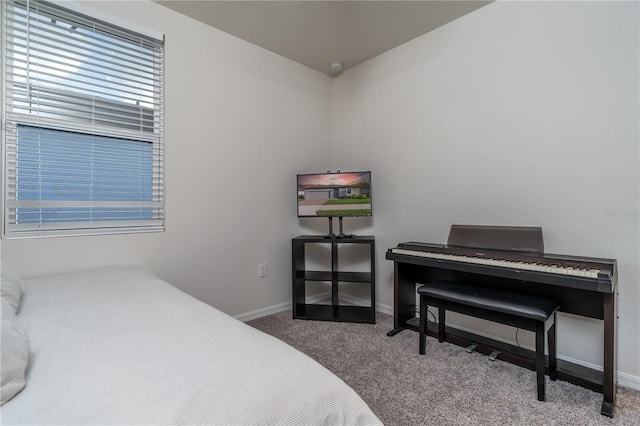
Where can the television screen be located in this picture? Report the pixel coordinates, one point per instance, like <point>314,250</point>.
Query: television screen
<point>337,194</point>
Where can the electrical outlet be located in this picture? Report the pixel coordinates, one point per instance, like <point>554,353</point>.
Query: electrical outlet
<point>262,270</point>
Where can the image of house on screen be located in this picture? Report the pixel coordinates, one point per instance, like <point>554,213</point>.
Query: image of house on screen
<point>334,194</point>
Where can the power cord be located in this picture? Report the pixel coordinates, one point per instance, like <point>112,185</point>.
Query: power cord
<point>417,310</point>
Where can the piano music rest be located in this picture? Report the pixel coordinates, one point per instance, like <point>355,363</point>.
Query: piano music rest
<point>515,309</point>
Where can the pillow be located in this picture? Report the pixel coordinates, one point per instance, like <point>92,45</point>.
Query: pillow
<point>14,356</point>
<point>10,287</point>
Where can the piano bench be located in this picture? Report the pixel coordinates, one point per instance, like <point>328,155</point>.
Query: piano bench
<point>515,309</point>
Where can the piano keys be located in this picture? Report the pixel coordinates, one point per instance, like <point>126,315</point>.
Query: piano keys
<point>601,273</point>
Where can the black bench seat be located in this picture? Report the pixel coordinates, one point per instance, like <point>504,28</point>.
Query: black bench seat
<point>520,310</point>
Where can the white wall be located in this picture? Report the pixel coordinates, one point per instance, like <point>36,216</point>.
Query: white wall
<point>240,123</point>
<point>520,113</point>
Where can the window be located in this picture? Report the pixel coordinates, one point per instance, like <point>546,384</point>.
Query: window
<point>83,124</point>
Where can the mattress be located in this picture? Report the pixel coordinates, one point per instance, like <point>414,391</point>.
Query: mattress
<point>120,346</point>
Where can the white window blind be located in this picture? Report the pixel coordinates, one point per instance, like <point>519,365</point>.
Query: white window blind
<point>83,124</point>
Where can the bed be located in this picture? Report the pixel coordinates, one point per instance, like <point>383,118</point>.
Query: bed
<point>120,346</point>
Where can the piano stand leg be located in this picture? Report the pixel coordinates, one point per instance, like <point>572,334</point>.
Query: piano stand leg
<point>540,361</point>
<point>607,409</point>
<point>395,331</point>
<point>551,342</point>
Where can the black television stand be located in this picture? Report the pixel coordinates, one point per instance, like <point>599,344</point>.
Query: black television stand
<point>330,273</point>
<point>341,234</point>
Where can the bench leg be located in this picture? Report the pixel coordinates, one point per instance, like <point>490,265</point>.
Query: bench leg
<point>540,360</point>
<point>423,325</point>
<point>551,338</point>
<point>441,323</point>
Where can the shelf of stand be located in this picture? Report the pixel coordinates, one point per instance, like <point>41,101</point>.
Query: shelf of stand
<point>333,275</point>
<point>342,313</point>
<point>352,277</point>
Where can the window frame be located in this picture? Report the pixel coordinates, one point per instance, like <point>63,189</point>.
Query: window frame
<point>11,121</point>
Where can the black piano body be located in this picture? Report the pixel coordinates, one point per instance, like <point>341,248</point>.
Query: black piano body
<point>513,258</point>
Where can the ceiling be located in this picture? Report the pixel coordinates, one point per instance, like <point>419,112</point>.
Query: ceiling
<point>317,33</point>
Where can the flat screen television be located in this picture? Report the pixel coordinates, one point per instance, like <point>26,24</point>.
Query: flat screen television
<point>339,194</point>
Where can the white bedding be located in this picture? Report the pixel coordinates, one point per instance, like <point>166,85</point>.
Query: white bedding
<point>119,346</point>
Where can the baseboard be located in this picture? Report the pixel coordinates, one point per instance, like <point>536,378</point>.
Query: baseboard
<point>320,297</point>
<point>259,313</point>
<point>385,309</point>
<point>276,309</point>
<point>624,379</point>
<point>628,381</point>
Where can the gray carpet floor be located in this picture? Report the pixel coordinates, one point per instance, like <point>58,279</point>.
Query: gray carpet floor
<point>447,386</point>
